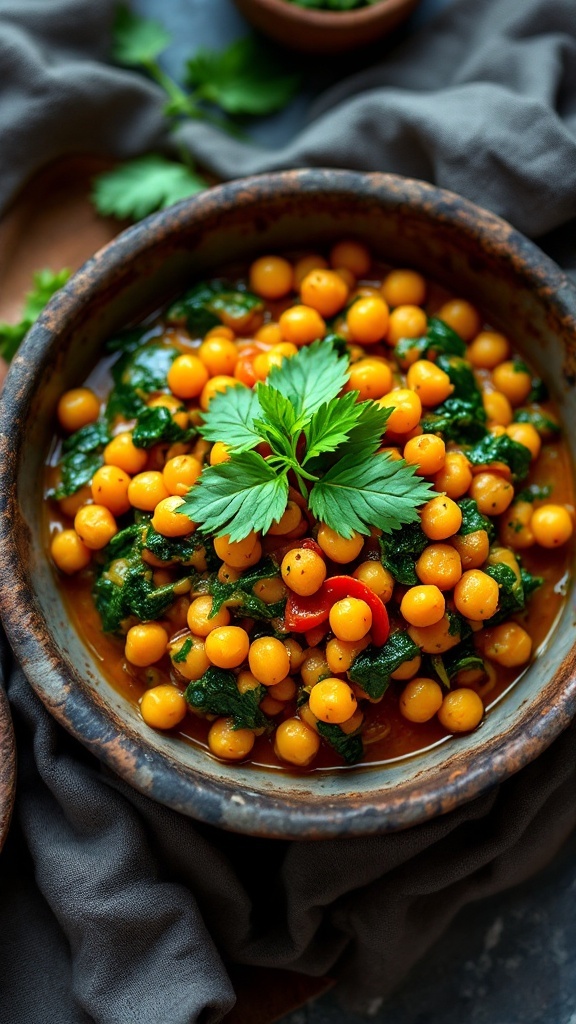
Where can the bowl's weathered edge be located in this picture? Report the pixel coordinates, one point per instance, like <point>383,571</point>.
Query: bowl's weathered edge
<point>84,713</point>
<point>7,766</point>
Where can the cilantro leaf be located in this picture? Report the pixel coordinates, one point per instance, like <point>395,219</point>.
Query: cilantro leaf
<point>238,496</point>
<point>137,40</point>
<point>315,375</point>
<point>230,418</point>
<point>331,424</point>
<point>243,79</point>
<point>379,492</point>
<point>142,186</point>
<point>45,284</point>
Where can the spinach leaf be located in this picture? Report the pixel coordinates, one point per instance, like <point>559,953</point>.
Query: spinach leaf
<point>202,307</point>
<point>539,420</point>
<point>400,554</point>
<point>458,626</point>
<point>439,339</point>
<point>462,658</point>
<point>81,457</point>
<point>373,666</point>
<point>217,693</point>
<point>461,417</point>
<point>534,492</point>
<point>156,425</point>
<point>348,745</point>
<point>539,392</point>
<point>474,520</point>
<point>501,449</point>
<point>183,653</point>
<point>514,592</point>
<point>239,595</point>
<point>177,549</point>
<point>136,375</point>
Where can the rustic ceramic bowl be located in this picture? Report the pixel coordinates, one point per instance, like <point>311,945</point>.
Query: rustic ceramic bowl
<point>319,31</point>
<point>409,223</point>
<point>7,767</point>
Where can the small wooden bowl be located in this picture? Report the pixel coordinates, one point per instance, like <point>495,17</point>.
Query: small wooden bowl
<point>311,31</point>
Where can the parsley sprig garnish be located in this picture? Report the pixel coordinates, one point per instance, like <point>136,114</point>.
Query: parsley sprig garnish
<point>242,80</point>
<point>324,441</point>
<point>45,284</point>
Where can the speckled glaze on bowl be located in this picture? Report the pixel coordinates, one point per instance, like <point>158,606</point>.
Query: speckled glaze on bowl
<point>407,222</point>
<point>7,767</point>
<point>320,31</point>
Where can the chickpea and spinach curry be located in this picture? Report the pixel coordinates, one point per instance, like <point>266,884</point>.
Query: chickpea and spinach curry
<point>313,516</point>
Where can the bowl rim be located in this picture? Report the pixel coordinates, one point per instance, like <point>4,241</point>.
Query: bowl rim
<point>79,710</point>
<point>327,20</point>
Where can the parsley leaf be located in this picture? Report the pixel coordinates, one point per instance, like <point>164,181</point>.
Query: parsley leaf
<point>379,492</point>
<point>331,424</point>
<point>312,377</point>
<point>137,40</point>
<point>243,79</point>
<point>45,284</point>
<point>230,418</point>
<point>238,496</point>
<point>144,185</point>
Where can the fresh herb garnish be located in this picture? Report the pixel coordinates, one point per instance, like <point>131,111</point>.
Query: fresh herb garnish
<point>245,79</point>
<point>217,693</point>
<point>348,486</point>
<point>373,667</point>
<point>46,283</point>
<point>141,186</point>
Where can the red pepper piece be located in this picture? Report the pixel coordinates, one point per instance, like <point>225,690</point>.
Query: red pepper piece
<point>305,613</point>
<point>311,544</point>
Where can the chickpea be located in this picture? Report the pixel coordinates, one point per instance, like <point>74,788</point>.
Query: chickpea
<point>352,256</point>
<point>240,554</point>
<point>163,707</point>
<point>219,355</point>
<point>303,266</point>
<point>461,710</point>
<point>269,661</point>
<point>289,520</point>
<point>227,646</point>
<point>552,525</point>
<point>145,644</point>
<point>295,654</point>
<point>187,376</point>
<point>377,578</point>
<point>513,380</point>
<point>270,591</point>
<point>515,529</point>
<point>314,667</point>
<point>301,325</point>
<point>427,451</point>
<point>350,619</point>
<point>168,521</point>
<point>270,334</point>
<point>439,565</point>
<point>174,406</point>
<point>406,322</point>
<point>423,605</point>
<point>421,699</point>
<point>526,434</point>
<point>429,382</point>
<point>492,493</point>
<point>216,385</point>
<point>508,644</point>
<point>295,742</point>
<point>219,453</point>
<point>180,474</point>
<point>272,277</point>
<point>110,488</point>
<point>435,639</point>
<point>303,571</point>
<point>406,410</point>
<point>228,743</point>
<point>264,362</point>
<point>497,409</point>
<point>196,661</point>
<point>200,619</point>
<point>371,378</point>
<point>455,477</point>
<point>283,691</point>
<point>341,653</point>
<point>441,518</point>
<point>146,490</point>
<point>472,547</point>
<point>220,331</point>
<point>487,350</point>
<point>324,291</point>
<point>476,595</point>
<point>123,453</point>
<point>69,553</point>
<point>332,700</point>
<point>409,668</point>
<point>367,320</point>
<point>95,526</point>
<point>462,317</point>
<point>404,288</point>
<point>77,408</point>
<point>69,506</point>
<point>337,548</point>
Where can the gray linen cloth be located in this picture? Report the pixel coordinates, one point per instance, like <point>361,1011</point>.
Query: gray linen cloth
<point>114,909</point>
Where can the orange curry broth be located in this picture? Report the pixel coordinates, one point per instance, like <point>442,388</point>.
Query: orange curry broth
<point>387,734</point>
